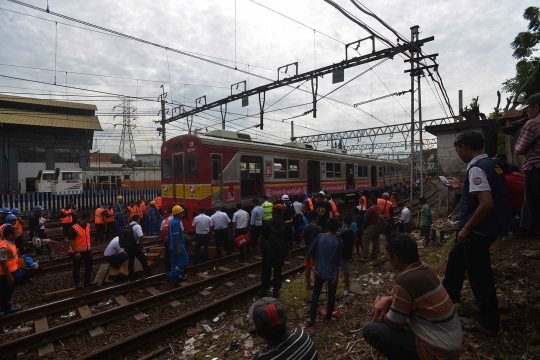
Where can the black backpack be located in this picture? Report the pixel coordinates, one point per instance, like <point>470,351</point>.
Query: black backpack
<point>126,237</point>
<point>274,246</point>
<point>289,213</point>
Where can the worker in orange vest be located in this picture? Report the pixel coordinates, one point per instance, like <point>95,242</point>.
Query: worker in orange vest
<point>159,203</point>
<point>9,263</point>
<point>80,250</point>
<point>333,204</point>
<point>100,217</point>
<point>385,205</point>
<point>109,222</point>
<point>142,206</point>
<point>10,220</point>
<point>362,202</point>
<point>66,216</point>
<point>131,210</point>
<point>307,202</point>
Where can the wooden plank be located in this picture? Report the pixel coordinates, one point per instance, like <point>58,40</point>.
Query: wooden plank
<point>137,268</point>
<point>41,324</point>
<point>204,276</point>
<point>113,273</point>
<point>205,293</point>
<point>154,353</point>
<point>223,268</point>
<point>85,312</point>
<point>122,301</point>
<point>101,274</point>
<point>156,249</point>
<point>153,256</point>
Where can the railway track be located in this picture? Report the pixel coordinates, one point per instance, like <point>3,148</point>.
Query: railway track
<point>221,276</point>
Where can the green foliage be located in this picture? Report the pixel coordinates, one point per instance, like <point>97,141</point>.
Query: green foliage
<point>501,143</point>
<point>119,160</point>
<point>524,69</point>
<point>525,41</point>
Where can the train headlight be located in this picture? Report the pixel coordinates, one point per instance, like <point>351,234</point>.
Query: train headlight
<point>165,188</point>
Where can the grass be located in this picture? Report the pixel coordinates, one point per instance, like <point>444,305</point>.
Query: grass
<point>438,258</point>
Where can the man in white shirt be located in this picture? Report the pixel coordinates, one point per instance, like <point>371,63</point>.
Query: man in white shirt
<point>405,219</point>
<point>136,251</point>
<point>256,222</point>
<point>114,254</point>
<point>221,222</point>
<point>203,227</point>
<point>297,206</point>
<point>240,222</point>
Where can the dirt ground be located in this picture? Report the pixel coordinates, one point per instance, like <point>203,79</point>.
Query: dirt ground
<point>518,286</point>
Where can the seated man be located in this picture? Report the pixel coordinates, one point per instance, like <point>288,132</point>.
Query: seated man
<point>418,321</point>
<point>114,254</point>
<point>24,274</point>
<point>270,322</point>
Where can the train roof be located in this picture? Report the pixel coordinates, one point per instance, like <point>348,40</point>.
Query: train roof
<point>119,168</point>
<point>223,137</point>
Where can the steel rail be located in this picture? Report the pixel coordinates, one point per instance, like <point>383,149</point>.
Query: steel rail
<point>61,331</point>
<point>157,332</point>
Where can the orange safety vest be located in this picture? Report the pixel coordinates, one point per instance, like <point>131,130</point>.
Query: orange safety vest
<point>334,207</point>
<point>131,212</point>
<point>82,241</point>
<point>139,210</point>
<point>98,220</point>
<point>310,204</point>
<point>384,206</point>
<point>18,225</point>
<point>158,201</point>
<point>8,251</point>
<point>143,207</point>
<point>109,215</point>
<point>165,230</point>
<point>67,219</point>
<point>365,202</point>
<point>2,230</point>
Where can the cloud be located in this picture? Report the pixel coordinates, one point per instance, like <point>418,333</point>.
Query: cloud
<point>472,39</point>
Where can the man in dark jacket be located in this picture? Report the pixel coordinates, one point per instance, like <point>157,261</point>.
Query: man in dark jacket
<point>273,239</point>
<point>484,215</point>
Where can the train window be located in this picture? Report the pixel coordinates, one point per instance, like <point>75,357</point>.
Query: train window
<point>294,169</point>
<point>47,177</point>
<point>191,166</point>
<point>68,176</point>
<point>215,170</point>
<point>280,168</point>
<point>126,177</point>
<point>103,179</point>
<point>362,171</point>
<point>381,171</point>
<point>166,168</point>
<point>329,170</point>
<point>337,170</point>
<point>179,167</point>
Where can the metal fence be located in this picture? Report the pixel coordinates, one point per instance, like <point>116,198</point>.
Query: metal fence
<point>86,201</point>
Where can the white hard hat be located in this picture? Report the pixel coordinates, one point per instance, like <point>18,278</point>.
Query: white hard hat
<point>321,192</point>
<point>385,195</point>
<point>285,197</point>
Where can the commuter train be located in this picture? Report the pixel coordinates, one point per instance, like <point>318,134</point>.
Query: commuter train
<point>221,168</point>
<point>97,178</point>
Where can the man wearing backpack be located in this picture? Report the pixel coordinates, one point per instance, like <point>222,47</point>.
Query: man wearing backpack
<point>130,239</point>
<point>273,239</point>
<point>370,232</point>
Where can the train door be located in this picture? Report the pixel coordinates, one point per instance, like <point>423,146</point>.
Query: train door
<point>373,176</point>
<point>217,180</point>
<point>251,177</point>
<point>314,176</point>
<point>178,181</point>
<point>349,168</point>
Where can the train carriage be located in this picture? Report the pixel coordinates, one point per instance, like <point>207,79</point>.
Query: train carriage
<point>222,168</point>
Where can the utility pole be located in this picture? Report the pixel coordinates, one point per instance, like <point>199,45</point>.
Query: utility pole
<point>163,117</point>
<point>420,130</point>
<point>292,130</point>
<point>414,36</point>
<point>129,117</point>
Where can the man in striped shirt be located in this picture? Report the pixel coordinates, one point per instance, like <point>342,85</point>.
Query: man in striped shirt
<point>528,144</point>
<point>418,321</point>
<point>270,322</point>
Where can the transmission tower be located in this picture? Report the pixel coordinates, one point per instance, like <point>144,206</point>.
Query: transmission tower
<point>129,119</point>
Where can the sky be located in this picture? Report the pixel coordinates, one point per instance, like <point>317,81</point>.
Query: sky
<point>472,40</point>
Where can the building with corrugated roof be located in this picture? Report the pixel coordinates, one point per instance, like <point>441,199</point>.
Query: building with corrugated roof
<point>42,134</point>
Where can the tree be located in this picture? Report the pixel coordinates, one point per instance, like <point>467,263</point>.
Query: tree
<point>117,159</point>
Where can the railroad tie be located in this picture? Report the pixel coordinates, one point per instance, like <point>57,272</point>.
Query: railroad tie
<point>85,312</point>
<point>205,293</point>
<point>41,324</point>
<point>229,284</point>
<point>204,276</point>
<point>152,290</point>
<point>122,301</point>
<point>223,268</point>
<point>251,276</point>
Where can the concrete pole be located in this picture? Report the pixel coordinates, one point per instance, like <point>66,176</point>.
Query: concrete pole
<point>292,130</point>
<point>414,35</point>
<point>420,135</point>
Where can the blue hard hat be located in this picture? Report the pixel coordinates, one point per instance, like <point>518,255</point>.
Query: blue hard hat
<point>10,217</point>
<point>38,208</point>
<point>305,193</point>
<point>15,211</point>
<point>5,211</point>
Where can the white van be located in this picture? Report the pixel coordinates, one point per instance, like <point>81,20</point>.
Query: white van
<point>44,181</point>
